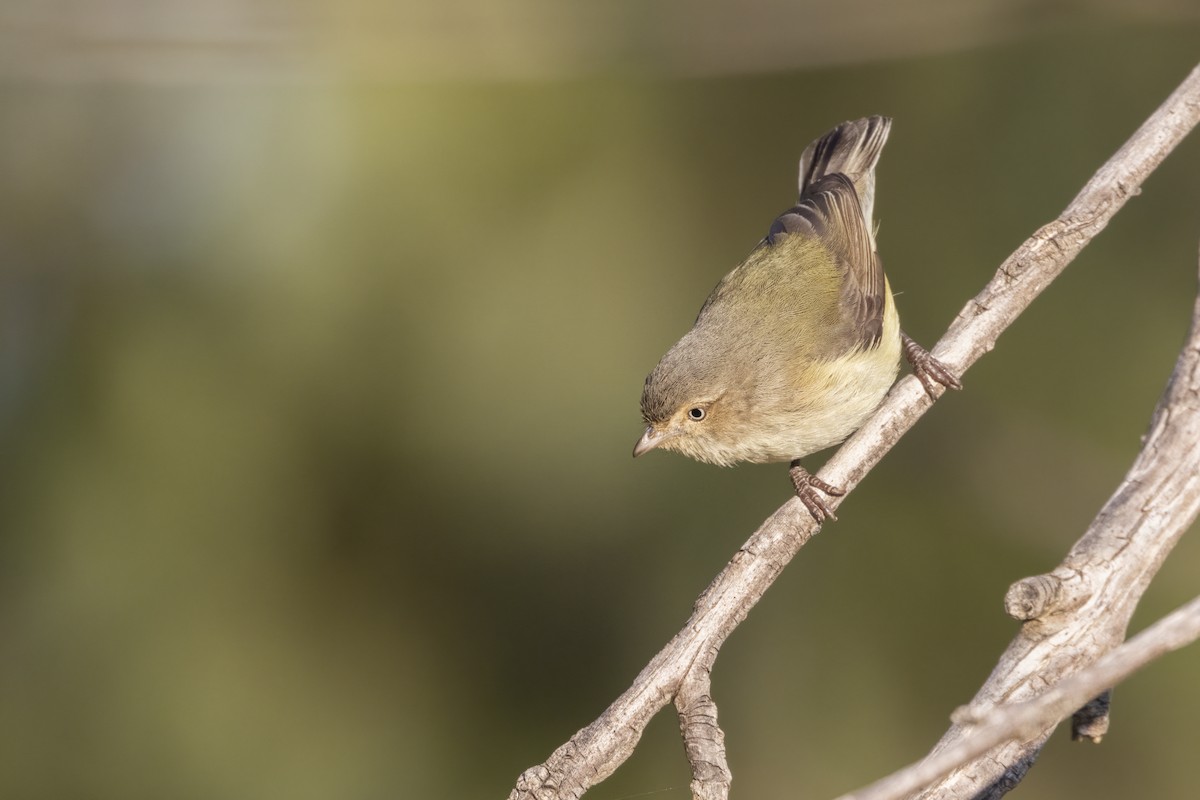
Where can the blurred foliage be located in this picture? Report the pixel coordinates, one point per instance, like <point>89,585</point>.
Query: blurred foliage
<point>317,397</point>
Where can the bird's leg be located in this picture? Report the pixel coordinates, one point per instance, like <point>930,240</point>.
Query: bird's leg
<point>928,369</point>
<point>807,486</point>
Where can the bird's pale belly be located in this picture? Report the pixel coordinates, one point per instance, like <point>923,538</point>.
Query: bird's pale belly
<point>847,392</point>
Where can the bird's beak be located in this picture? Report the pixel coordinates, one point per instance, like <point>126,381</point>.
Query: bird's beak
<point>650,439</point>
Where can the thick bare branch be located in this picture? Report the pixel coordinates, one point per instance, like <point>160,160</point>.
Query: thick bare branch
<point>596,750</point>
<point>1077,612</point>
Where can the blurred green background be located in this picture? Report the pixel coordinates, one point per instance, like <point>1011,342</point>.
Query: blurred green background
<point>322,332</point>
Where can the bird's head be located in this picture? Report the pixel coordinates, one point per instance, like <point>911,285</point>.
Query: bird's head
<point>692,410</point>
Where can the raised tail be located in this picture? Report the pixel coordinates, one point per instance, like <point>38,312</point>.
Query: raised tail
<point>852,149</point>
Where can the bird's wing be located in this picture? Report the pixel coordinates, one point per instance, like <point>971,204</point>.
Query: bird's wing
<point>831,213</point>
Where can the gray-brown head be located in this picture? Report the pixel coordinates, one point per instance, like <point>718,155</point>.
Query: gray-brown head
<point>694,401</point>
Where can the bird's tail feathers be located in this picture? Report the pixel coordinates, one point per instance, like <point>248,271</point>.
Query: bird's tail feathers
<point>852,149</point>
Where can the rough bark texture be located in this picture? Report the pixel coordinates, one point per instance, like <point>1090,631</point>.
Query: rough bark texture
<point>703,739</point>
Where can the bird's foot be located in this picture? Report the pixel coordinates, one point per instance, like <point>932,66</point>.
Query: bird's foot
<point>807,487</point>
<point>928,369</point>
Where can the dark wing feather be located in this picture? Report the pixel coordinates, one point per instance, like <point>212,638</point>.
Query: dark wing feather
<point>831,212</point>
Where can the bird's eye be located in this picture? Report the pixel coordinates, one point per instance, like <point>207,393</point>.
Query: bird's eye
<point>696,414</point>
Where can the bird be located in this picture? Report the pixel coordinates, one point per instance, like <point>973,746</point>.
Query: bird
<point>798,344</point>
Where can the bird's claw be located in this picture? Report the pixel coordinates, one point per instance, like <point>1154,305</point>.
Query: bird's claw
<point>928,369</point>
<point>807,487</point>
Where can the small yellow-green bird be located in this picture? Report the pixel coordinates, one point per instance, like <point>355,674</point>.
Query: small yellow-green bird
<point>799,343</point>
